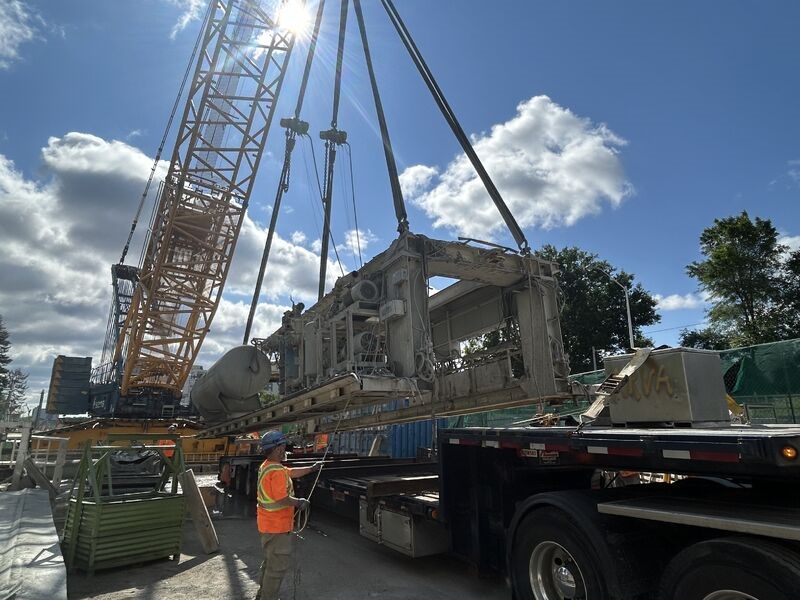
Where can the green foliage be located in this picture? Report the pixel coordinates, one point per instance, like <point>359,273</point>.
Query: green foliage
<point>5,358</point>
<point>704,339</point>
<point>753,280</point>
<point>594,314</point>
<point>267,398</point>
<point>13,397</point>
<point>13,382</point>
<point>790,295</point>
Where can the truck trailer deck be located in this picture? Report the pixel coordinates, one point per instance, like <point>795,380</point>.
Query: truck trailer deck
<point>532,503</point>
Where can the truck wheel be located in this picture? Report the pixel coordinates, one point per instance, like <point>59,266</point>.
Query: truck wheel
<point>732,568</point>
<point>554,561</point>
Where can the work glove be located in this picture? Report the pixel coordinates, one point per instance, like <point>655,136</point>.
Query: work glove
<point>302,504</point>
<point>317,466</point>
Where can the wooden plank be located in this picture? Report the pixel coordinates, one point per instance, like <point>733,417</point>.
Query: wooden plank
<point>22,454</point>
<point>60,460</point>
<point>197,508</point>
<point>40,479</point>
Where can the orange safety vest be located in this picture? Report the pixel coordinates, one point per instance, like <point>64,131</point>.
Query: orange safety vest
<point>168,453</point>
<point>270,517</point>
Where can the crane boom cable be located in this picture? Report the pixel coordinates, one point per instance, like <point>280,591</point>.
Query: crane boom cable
<point>455,126</point>
<point>332,138</point>
<point>312,47</point>
<point>319,188</point>
<point>355,209</point>
<point>167,129</point>
<point>283,183</point>
<point>337,82</point>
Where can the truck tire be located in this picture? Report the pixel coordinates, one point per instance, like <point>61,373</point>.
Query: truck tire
<point>734,568</point>
<point>553,560</point>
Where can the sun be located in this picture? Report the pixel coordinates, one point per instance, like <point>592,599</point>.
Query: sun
<point>294,18</point>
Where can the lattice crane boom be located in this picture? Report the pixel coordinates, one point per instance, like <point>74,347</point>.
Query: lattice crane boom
<point>201,207</point>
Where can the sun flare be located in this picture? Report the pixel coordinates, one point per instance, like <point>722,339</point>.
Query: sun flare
<point>295,18</point>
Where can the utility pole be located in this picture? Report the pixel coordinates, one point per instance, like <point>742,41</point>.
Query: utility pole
<point>38,411</point>
<point>627,304</point>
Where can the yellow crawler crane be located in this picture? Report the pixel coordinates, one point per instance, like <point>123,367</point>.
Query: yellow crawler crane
<point>163,310</point>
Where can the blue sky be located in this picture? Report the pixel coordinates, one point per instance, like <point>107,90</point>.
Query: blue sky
<point>623,128</point>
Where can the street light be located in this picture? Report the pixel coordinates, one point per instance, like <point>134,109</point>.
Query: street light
<point>627,303</point>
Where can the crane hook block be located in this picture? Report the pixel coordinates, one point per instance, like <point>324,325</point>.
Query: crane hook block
<point>295,124</point>
<point>334,135</point>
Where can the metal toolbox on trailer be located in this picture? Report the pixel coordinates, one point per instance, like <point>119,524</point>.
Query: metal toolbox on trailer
<point>674,385</point>
<point>411,535</point>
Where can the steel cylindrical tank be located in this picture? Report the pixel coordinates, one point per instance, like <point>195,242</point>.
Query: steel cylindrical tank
<point>230,387</point>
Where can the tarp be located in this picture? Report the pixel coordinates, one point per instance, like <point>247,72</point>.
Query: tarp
<point>31,564</point>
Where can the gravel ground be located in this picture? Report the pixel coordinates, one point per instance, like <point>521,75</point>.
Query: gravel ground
<point>335,563</point>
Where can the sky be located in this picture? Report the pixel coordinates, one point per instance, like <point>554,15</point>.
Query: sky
<point>621,127</point>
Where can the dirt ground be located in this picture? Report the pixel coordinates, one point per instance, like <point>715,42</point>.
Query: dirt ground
<point>335,563</point>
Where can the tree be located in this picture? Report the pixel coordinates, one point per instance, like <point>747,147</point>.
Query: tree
<point>594,314</point>
<point>13,383</point>
<point>790,296</point>
<point>704,339</point>
<point>13,397</point>
<point>5,358</point>
<point>744,271</point>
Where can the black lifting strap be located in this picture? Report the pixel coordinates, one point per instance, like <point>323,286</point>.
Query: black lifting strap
<point>455,126</point>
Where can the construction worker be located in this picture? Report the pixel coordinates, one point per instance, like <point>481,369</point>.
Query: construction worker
<point>275,512</point>
<point>171,430</point>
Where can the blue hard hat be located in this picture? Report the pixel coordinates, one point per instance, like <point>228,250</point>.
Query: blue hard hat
<point>272,439</point>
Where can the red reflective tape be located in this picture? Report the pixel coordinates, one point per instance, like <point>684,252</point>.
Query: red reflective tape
<point>510,445</point>
<point>626,451</point>
<point>557,447</point>
<point>714,456</point>
<point>463,442</point>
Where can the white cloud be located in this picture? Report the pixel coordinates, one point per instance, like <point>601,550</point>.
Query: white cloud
<point>298,237</point>
<point>18,25</point>
<point>414,180</point>
<point>292,269</point>
<point>794,170</point>
<point>192,11</point>
<point>793,241</point>
<point>60,233</point>
<point>353,239</point>
<point>680,302</point>
<point>551,166</point>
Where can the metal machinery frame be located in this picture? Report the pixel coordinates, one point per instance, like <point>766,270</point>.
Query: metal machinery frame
<point>379,337</point>
<point>201,206</point>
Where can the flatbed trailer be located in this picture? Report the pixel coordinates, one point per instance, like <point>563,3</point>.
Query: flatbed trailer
<point>527,501</point>
<point>533,504</point>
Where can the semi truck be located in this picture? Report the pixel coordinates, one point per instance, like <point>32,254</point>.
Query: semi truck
<point>715,512</point>
<point>535,504</point>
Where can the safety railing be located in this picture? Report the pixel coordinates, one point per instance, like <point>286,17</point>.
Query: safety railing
<point>47,453</point>
<point>202,457</point>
